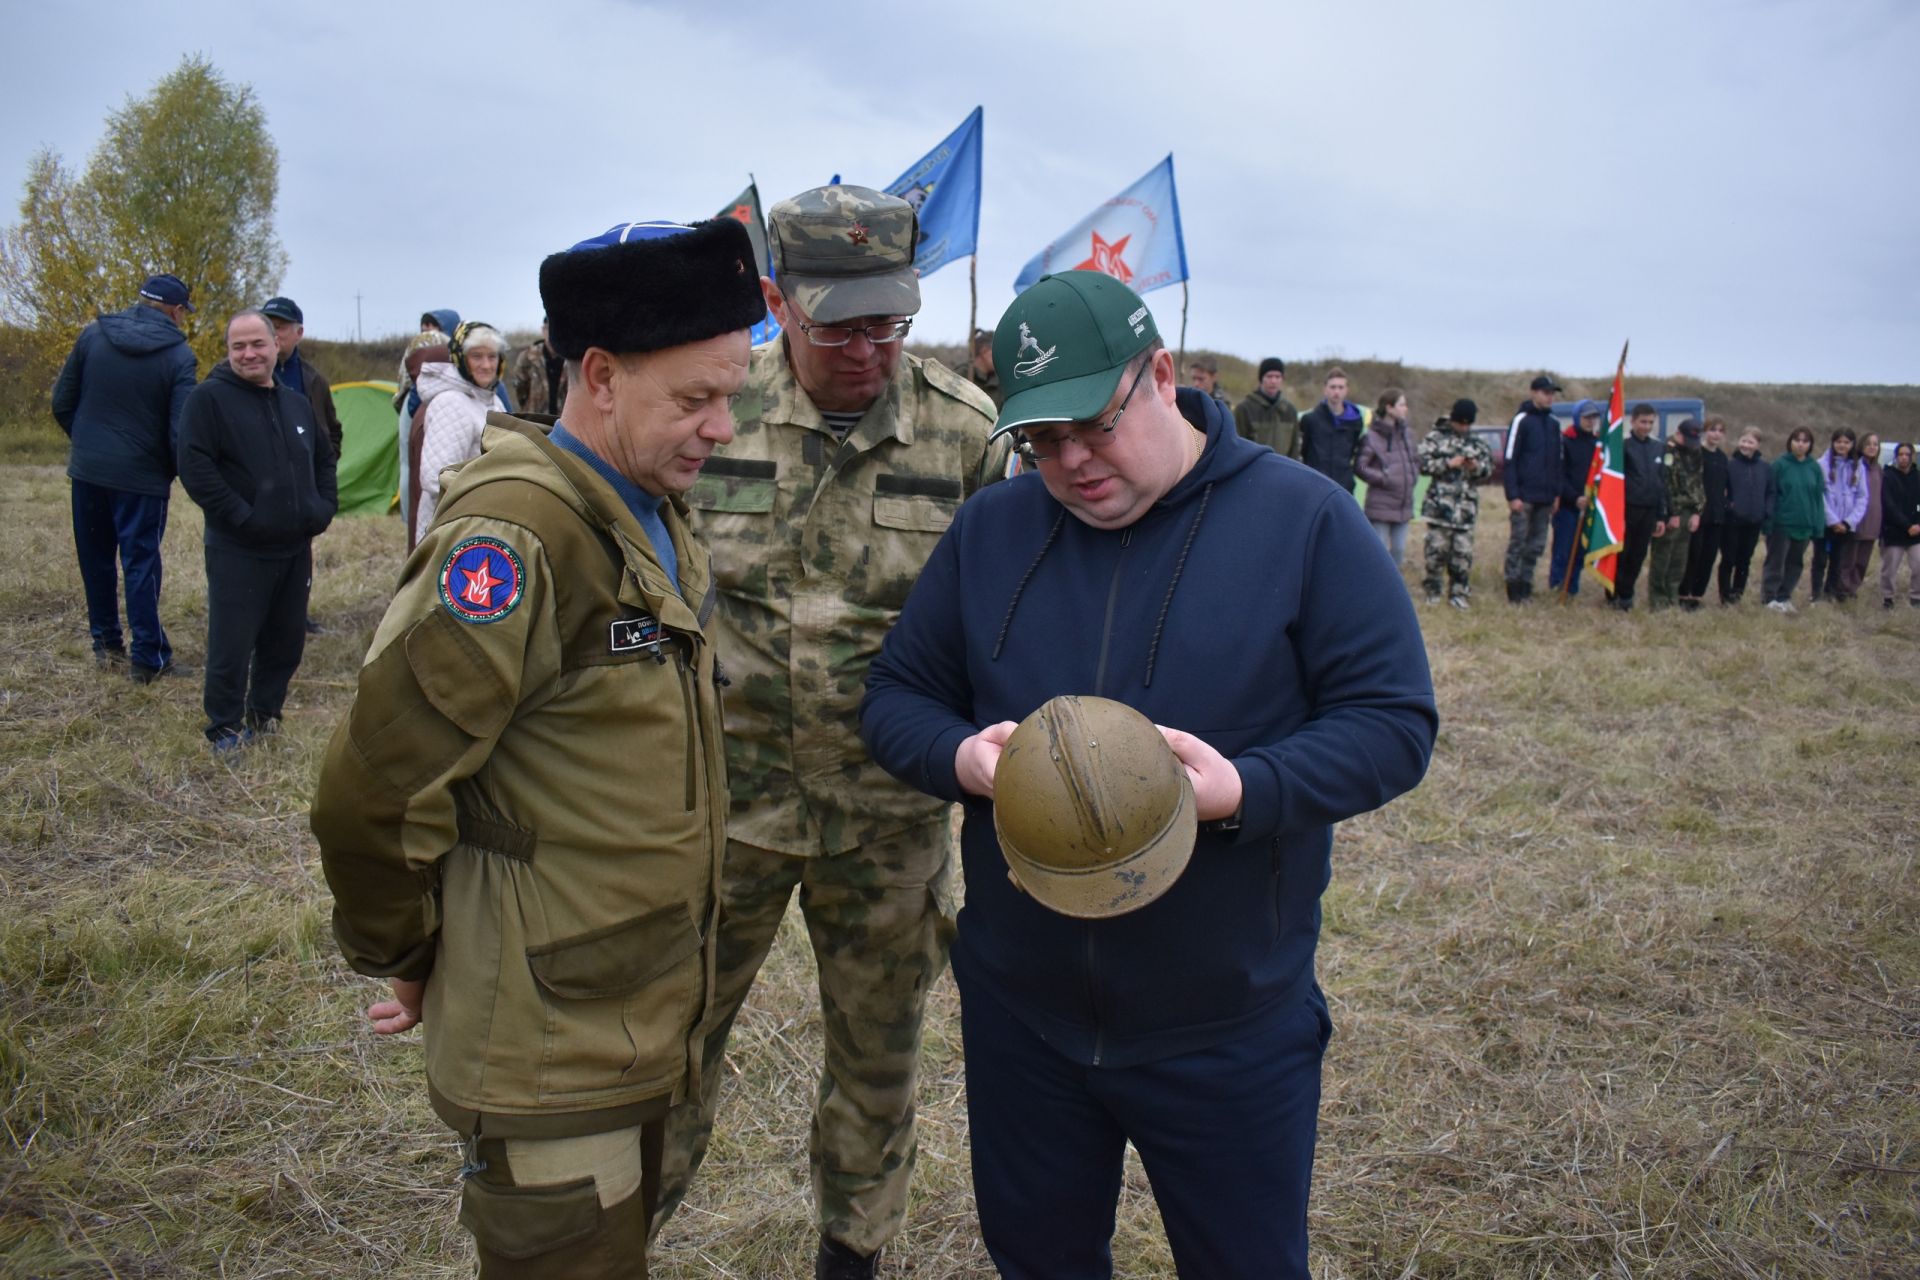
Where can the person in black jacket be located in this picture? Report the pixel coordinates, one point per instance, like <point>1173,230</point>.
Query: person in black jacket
<point>1646,485</point>
<point>1749,508</point>
<point>254,457</point>
<point>1704,544</point>
<point>119,398</point>
<point>1900,525</point>
<point>1577,444</point>
<point>1330,432</point>
<point>1532,480</point>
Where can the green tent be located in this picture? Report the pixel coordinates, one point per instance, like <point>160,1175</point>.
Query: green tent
<point>369,448</point>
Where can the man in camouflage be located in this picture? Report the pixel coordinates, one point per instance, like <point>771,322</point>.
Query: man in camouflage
<point>539,377</point>
<point>849,460</point>
<point>980,368</point>
<point>1686,499</point>
<point>1456,459</point>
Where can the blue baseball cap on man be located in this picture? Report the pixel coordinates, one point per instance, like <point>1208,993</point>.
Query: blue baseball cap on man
<point>168,290</point>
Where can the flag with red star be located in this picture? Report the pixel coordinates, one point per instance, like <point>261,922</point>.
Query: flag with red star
<point>745,209</point>
<point>1135,237</point>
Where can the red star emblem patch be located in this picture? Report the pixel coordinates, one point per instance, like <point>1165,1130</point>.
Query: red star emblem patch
<point>1106,257</point>
<point>857,233</point>
<point>480,580</point>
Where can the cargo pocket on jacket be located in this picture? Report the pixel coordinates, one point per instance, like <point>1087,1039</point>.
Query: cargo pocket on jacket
<point>518,1223</point>
<point>620,1003</point>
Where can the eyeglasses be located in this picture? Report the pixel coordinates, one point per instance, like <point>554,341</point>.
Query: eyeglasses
<point>839,335</point>
<point>1090,436</point>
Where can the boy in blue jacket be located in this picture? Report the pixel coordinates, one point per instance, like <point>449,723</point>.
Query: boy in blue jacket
<point>1240,601</point>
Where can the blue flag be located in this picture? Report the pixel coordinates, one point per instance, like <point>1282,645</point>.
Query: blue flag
<point>1134,237</point>
<point>944,187</point>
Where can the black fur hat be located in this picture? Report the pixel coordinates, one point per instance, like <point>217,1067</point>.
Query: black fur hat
<point>647,286</point>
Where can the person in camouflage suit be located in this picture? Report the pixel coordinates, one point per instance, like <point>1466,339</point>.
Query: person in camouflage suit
<point>850,459</point>
<point>1686,499</point>
<point>1456,459</point>
<point>539,377</point>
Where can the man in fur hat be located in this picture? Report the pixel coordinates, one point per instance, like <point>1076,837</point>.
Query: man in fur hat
<point>522,817</point>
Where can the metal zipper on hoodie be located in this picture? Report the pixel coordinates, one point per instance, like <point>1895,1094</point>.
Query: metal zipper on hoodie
<point>1106,624</point>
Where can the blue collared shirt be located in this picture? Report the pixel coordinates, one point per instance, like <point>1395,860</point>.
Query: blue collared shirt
<point>645,507</point>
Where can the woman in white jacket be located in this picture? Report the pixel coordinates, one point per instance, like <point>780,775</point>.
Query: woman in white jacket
<point>455,398</point>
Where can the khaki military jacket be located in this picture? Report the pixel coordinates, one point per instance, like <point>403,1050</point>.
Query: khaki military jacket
<point>816,544</point>
<point>1453,499</point>
<point>524,803</point>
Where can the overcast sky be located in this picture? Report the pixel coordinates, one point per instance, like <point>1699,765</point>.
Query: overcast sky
<point>1731,183</point>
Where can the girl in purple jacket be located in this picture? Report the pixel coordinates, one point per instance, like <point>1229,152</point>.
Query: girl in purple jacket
<point>1846,503</point>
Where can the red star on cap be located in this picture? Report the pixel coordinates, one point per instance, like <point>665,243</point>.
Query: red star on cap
<point>1106,257</point>
<point>857,233</point>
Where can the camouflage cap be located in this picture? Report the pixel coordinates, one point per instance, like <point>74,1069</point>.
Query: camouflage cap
<point>841,252</point>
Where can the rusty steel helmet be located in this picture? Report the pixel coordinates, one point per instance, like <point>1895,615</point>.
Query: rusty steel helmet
<point>1094,812</point>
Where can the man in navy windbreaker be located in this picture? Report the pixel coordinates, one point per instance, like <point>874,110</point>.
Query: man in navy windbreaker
<point>119,398</point>
<point>1532,479</point>
<point>1240,600</point>
<point>1577,444</point>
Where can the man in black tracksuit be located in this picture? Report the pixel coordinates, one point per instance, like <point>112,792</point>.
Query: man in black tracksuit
<point>1532,480</point>
<point>254,457</point>
<point>1646,485</point>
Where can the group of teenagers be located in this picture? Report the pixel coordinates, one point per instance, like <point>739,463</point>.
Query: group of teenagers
<point>1695,514</point>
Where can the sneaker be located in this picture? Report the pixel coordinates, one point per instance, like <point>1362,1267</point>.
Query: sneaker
<point>1432,598</point>
<point>228,741</point>
<point>1458,602</point>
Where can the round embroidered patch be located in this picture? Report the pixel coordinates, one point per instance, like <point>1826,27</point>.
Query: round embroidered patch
<point>480,580</point>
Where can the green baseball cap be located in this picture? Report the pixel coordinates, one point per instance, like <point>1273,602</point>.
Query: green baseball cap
<point>1063,344</point>
<point>845,251</point>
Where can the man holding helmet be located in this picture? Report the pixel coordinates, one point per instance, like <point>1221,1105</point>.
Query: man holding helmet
<point>1137,562</point>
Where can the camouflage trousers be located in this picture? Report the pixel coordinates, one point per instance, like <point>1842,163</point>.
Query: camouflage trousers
<point>1669,564</point>
<point>880,919</point>
<point>1449,560</point>
<point>1526,539</point>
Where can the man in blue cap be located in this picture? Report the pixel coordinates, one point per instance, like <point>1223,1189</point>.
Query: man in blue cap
<point>523,816</point>
<point>289,327</point>
<point>119,399</point>
<point>1239,600</point>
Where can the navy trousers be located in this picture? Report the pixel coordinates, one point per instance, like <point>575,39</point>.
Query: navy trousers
<point>256,623</point>
<point>109,523</point>
<point>1226,1135</point>
<point>1566,526</point>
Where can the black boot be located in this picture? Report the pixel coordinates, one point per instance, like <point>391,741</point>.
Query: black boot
<point>836,1261</point>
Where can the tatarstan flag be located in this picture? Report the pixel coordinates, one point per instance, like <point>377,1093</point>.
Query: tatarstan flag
<point>1607,485</point>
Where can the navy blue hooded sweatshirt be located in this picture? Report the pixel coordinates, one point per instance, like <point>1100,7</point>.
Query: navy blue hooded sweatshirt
<point>1251,606</point>
<point>1532,471</point>
<point>119,398</point>
<point>1576,453</point>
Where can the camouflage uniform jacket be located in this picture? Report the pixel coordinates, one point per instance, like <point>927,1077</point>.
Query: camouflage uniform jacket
<point>1686,485</point>
<point>523,806</point>
<point>1453,499</point>
<point>815,546</point>
<point>530,380</point>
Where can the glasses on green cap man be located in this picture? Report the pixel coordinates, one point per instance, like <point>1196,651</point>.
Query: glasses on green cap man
<point>1240,602</point>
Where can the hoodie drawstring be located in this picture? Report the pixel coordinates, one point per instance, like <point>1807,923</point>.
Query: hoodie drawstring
<point>1179,567</point>
<point>1001,640</point>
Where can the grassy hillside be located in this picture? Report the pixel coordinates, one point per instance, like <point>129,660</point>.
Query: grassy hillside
<point>1627,987</point>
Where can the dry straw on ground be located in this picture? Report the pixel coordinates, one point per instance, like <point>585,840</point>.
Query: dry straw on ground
<point>1629,987</point>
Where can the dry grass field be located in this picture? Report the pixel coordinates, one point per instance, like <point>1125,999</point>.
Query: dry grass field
<point>1629,987</point>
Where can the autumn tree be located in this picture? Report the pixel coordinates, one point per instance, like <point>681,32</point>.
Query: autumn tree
<point>183,181</point>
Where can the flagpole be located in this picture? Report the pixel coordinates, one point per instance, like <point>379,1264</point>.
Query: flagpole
<point>1183,324</point>
<point>973,303</point>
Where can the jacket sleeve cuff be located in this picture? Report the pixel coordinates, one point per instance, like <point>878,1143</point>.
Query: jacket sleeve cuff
<point>1259,802</point>
<point>942,780</point>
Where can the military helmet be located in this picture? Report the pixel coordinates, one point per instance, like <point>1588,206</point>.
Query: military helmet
<point>1094,812</point>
